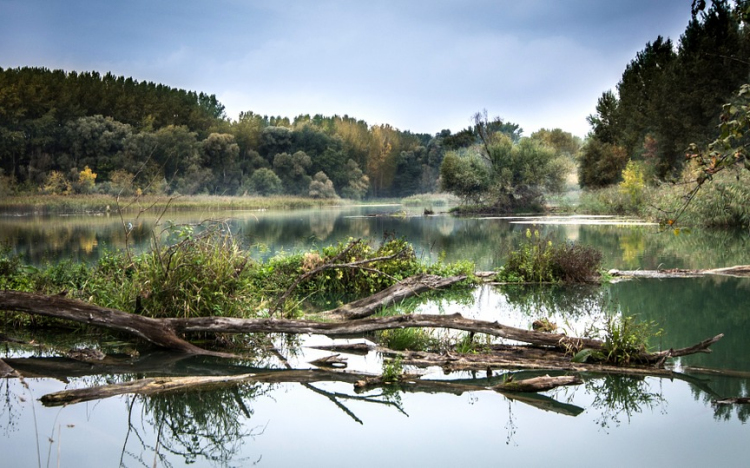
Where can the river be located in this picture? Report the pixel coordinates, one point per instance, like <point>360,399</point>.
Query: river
<point>617,421</point>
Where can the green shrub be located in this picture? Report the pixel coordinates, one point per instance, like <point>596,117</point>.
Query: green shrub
<point>413,339</point>
<point>625,339</point>
<point>575,263</point>
<point>13,273</point>
<point>538,260</point>
<point>725,202</point>
<point>202,275</point>
<point>393,369</point>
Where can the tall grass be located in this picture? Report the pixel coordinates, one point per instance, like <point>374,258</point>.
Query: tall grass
<point>98,203</point>
<point>724,201</point>
<point>430,199</point>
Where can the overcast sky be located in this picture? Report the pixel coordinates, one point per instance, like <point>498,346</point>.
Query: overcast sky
<point>421,65</point>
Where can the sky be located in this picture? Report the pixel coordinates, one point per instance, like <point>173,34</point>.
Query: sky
<point>418,65</point>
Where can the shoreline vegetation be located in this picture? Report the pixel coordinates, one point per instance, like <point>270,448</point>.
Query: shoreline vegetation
<point>205,288</point>
<point>27,204</point>
<point>94,204</point>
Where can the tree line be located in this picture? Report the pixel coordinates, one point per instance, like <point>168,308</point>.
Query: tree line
<point>68,132</point>
<point>669,96</point>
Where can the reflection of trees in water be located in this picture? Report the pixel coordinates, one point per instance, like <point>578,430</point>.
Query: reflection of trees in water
<point>211,425</point>
<point>692,309</point>
<point>646,247</point>
<point>50,240</point>
<point>9,413</point>
<point>618,397</point>
<point>575,300</point>
<point>322,224</point>
<point>725,387</point>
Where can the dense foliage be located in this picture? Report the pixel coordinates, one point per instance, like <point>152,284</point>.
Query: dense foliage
<point>67,132</point>
<point>501,168</point>
<point>539,260</point>
<point>669,96</point>
<point>194,273</point>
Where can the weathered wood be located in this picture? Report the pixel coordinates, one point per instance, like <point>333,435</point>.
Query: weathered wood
<point>722,372</point>
<point>334,360</point>
<point>6,370</point>
<point>702,347</point>
<point>164,332</point>
<point>545,403</point>
<point>371,324</point>
<point>404,289</point>
<point>733,401</point>
<point>148,386</point>
<point>523,357</point>
<point>156,331</point>
<point>537,384</point>
<point>739,271</point>
<point>160,362</point>
<point>353,348</point>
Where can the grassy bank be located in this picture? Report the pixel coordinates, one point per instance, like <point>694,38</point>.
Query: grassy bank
<point>208,274</point>
<point>68,204</point>
<point>723,202</point>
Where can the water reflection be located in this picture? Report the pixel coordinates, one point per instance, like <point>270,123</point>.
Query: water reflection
<point>222,426</point>
<point>620,398</point>
<point>484,241</point>
<point>255,421</point>
<point>210,425</point>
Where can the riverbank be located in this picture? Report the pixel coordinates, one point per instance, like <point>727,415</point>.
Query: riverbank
<point>77,204</point>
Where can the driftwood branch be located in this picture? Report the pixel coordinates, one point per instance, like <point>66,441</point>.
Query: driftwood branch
<point>404,289</point>
<point>160,385</point>
<point>733,401</point>
<point>157,331</point>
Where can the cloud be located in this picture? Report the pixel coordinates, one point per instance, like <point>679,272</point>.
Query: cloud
<point>419,65</point>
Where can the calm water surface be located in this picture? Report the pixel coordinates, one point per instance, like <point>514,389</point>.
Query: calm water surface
<point>614,420</point>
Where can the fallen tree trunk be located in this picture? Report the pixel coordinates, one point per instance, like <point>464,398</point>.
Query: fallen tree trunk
<point>738,271</point>
<point>157,331</point>
<point>523,357</point>
<point>404,289</point>
<point>537,384</point>
<point>164,332</point>
<point>411,383</point>
<point>733,401</point>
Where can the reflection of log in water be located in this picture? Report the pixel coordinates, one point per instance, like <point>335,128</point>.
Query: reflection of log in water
<point>160,385</point>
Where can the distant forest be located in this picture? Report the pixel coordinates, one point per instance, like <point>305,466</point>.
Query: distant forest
<point>67,132</point>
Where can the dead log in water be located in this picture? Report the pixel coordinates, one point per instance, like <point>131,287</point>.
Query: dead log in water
<point>537,384</point>
<point>738,271</point>
<point>6,370</point>
<point>166,332</point>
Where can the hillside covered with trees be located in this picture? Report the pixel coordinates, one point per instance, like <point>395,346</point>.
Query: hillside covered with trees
<point>67,132</point>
